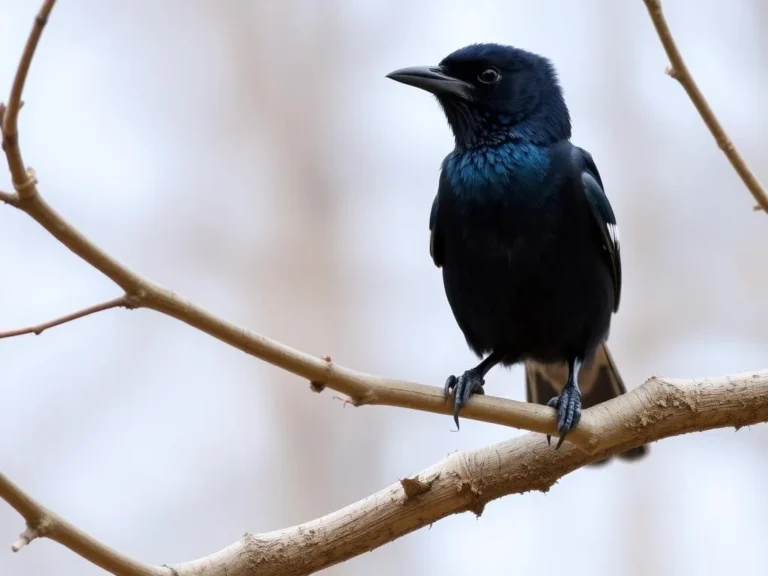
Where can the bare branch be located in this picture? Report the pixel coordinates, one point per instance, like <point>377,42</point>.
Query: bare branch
<point>41,522</point>
<point>14,102</point>
<point>123,301</point>
<point>462,482</point>
<point>679,71</point>
<point>24,180</point>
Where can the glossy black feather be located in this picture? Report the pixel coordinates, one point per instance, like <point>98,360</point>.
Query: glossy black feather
<point>435,239</point>
<point>523,265</point>
<point>604,219</point>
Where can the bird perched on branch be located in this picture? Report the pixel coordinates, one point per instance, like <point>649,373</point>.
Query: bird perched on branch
<point>523,231</point>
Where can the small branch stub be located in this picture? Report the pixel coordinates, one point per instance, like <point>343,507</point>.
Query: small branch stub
<point>672,73</point>
<point>413,487</point>
<point>315,385</point>
<point>25,538</point>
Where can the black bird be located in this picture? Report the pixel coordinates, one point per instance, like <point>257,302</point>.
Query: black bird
<point>523,231</point>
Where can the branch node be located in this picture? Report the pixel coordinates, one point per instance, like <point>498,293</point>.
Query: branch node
<point>476,505</point>
<point>316,385</point>
<point>726,146</point>
<point>672,72</point>
<point>28,188</point>
<point>134,300</point>
<point>413,487</point>
<point>477,508</point>
<point>370,397</point>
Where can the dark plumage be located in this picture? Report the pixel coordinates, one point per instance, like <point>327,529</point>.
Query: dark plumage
<point>522,229</point>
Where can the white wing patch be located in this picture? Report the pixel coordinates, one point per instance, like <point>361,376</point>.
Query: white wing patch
<point>613,233</point>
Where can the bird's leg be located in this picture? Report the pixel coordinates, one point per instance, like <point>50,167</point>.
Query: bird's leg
<point>567,403</point>
<point>471,382</point>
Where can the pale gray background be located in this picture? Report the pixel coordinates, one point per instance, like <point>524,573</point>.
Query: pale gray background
<point>253,156</point>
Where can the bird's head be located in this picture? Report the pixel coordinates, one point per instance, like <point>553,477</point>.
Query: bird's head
<point>493,93</point>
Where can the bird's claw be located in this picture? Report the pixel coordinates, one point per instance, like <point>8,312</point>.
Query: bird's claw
<point>463,387</point>
<point>568,406</point>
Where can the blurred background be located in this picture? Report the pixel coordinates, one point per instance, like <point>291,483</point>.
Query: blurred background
<point>253,157</point>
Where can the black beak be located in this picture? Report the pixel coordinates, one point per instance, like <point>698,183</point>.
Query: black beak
<point>434,80</point>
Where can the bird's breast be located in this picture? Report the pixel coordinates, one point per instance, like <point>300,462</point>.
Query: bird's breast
<point>490,173</point>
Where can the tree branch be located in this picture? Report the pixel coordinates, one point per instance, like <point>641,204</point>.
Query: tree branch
<point>122,301</point>
<point>41,522</point>
<point>24,181</point>
<point>679,71</point>
<point>462,482</point>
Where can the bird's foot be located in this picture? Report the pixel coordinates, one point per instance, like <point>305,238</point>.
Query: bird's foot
<point>471,382</point>
<point>568,406</point>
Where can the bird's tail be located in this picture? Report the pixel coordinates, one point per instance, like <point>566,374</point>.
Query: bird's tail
<point>599,380</point>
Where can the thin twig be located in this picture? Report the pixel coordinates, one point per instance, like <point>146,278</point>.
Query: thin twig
<point>23,182</point>
<point>14,101</point>
<point>679,71</point>
<point>123,301</point>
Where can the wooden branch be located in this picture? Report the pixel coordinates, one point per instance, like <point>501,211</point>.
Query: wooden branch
<point>679,71</point>
<point>42,523</point>
<point>462,482</point>
<point>122,301</point>
<point>23,180</point>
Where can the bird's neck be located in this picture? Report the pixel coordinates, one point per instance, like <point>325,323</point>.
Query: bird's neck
<point>477,128</point>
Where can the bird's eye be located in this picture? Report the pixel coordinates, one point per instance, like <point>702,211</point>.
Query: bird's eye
<point>489,76</point>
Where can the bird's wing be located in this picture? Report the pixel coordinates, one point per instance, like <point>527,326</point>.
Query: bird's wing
<point>604,218</point>
<point>435,240</point>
